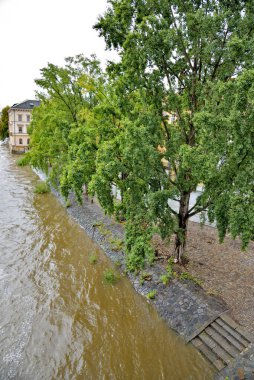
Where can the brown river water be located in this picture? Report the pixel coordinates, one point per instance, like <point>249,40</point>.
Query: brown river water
<point>58,318</point>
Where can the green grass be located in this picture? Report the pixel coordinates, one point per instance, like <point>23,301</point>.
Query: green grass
<point>68,203</point>
<point>42,188</point>
<point>116,244</point>
<point>170,272</point>
<point>110,277</point>
<point>164,279</point>
<point>188,276</point>
<point>151,295</point>
<point>97,223</point>
<point>104,231</point>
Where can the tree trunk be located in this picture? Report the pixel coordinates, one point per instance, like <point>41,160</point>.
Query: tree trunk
<point>181,234</point>
<point>124,176</point>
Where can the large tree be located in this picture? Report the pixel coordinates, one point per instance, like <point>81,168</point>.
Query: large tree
<point>192,59</point>
<point>4,130</point>
<point>62,144</point>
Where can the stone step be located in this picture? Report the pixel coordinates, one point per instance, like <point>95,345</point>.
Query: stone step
<point>208,353</point>
<point>215,326</point>
<point>222,354</point>
<point>236,334</point>
<point>222,342</point>
<point>230,322</point>
<point>207,340</point>
<point>218,346</point>
<point>249,337</point>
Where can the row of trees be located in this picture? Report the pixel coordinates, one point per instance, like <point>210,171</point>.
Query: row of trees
<point>193,59</point>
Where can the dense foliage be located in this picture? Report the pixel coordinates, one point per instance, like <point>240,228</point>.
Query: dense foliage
<point>193,60</point>
<point>62,143</point>
<point>175,112</point>
<point>4,130</point>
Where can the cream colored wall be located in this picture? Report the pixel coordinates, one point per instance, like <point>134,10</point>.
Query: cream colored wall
<point>14,125</point>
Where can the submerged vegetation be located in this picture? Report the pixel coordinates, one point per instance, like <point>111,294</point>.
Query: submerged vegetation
<point>110,277</point>
<point>23,161</point>
<point>42,188</point>
<point>93,258</point>
<point>176,111</point>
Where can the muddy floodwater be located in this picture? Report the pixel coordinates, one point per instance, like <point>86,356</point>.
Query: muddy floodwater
<point>58,318</point>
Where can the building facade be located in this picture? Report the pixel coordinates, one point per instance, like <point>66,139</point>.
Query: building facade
<point>20,115</point>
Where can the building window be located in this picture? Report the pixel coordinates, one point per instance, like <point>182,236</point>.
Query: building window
<point>20,129</point>
<point>20,141</point>
<point>28,141</point>
<point>28,118</point>
<point>19,117</point>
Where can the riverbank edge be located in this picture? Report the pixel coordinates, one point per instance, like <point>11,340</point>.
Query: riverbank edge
<point>170,301</point>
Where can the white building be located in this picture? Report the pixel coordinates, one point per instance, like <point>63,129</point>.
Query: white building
<point>19,119</point>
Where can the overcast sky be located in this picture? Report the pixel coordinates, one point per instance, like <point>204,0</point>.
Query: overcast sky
<point>35,32</point>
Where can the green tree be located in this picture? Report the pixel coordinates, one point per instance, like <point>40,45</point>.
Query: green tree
<point>60,136</point>
<point>4,130</point>
<point>191,59</point>
<point>129,160</point>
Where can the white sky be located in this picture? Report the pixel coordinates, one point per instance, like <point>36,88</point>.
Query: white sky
<point>35,32</point>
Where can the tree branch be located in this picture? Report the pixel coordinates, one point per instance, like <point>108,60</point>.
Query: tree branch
<point>198,210</point>
<point>181,39</point>
<point>217,63</point>
<point>166,129</point>
<point>173,211</point>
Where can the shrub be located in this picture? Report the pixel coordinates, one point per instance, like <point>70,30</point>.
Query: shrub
<point>42,188</point>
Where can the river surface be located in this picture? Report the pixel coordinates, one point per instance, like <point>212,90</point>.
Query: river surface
<point>58,318</point>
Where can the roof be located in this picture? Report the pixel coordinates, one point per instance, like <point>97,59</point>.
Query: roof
<point>26,104</point>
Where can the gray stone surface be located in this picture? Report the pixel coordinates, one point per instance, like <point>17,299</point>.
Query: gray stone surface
<point>242,367</point>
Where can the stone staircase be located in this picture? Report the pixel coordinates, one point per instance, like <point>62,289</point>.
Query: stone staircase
<point>222,341</point>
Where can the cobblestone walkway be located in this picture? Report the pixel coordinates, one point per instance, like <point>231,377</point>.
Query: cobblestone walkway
<point>183,305</point>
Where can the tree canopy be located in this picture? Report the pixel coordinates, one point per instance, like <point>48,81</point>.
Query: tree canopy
<point>62,143</point>
<point>193,60</point>
<point>4,129</point>
<point>175,112</point>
